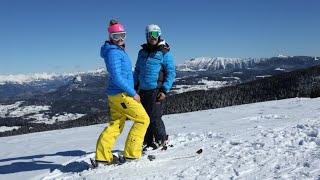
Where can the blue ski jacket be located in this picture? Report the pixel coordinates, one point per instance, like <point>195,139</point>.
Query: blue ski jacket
<point>119,67</point>
<point>154,68</point>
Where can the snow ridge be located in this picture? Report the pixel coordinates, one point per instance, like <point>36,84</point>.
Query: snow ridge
<point>208,63</point>
<point>22,78</point>
<point>39,77</point>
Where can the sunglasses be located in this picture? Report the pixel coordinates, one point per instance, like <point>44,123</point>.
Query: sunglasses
<point>118,35</point>
<point>154,34</point>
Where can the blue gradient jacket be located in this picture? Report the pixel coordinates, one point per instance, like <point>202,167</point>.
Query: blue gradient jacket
<point>154,68</point>
<point>120,69</point>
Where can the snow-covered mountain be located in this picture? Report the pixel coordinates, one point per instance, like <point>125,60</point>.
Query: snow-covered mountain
<point>209,73</point>
<point>22,78</point>
<point>77,96</point>
<point>194,74</point>
<point>221,63</point>
<point>269,140</point>
<point>38,78</point>
<point>213,64</point>
<point>26,85</point>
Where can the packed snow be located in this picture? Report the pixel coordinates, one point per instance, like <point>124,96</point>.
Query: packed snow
<point>270,140</point>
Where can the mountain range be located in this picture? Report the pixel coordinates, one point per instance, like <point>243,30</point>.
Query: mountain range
<point>193,74</point>
<point>220,63</point>
<point>81,98</point>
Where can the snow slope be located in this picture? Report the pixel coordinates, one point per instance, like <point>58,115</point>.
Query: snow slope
<point>269,140</point>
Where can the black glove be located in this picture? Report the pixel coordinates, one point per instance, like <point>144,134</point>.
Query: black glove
<point>162,90</point>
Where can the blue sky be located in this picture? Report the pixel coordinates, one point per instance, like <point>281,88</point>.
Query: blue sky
<point>66,35</point>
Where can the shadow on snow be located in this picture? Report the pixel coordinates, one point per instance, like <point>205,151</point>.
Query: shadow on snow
<point>33,165</point>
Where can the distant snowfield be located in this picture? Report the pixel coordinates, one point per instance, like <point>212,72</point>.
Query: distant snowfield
<point>203,85</point>
<point>6,128</point>
<point>265,76</point>
<point>42,118</point>
<point>5,109</point>
<point>33,112</point>
<point>269,140</point>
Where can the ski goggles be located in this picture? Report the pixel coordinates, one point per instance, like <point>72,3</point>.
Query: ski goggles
<point>154,34</point>
<point>118,35</point>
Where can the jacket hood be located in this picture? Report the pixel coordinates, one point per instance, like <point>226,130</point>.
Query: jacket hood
<point>162,44</point>
<point>109,45</point>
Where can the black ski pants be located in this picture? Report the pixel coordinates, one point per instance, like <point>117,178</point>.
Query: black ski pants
<point>153,107</point>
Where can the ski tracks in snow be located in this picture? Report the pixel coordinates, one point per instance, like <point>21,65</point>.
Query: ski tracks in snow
<point>291,152</point>
<point>281,153</point>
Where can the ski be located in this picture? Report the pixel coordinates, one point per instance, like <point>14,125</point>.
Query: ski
<point>152,157</point>
<point>120,160</point>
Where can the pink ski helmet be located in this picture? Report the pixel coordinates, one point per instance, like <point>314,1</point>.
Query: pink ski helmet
<point>115,27</point>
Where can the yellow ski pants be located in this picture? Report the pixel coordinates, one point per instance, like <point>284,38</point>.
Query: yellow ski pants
<point>122,106</point>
